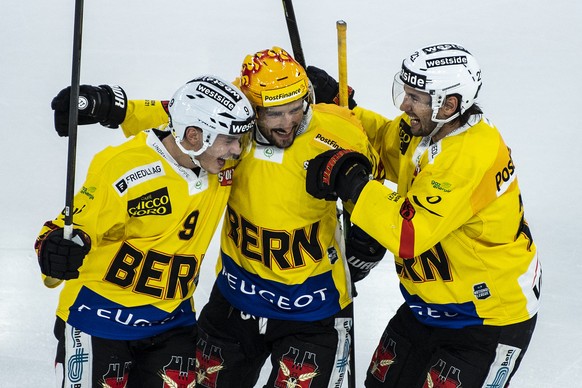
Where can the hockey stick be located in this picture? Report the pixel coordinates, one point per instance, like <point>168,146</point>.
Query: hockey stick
<point>342,27</point>
<point>300,58</point>
<point>342,61</point>
<point>73,111</point>
<point>293,32</point>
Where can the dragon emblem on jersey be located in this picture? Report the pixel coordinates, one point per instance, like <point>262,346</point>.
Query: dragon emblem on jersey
<point>384,357</point>
<point>293,374</point>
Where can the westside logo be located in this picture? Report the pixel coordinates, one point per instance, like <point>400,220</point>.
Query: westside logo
<point>443,47</point>
<point>447,61</point>
<point>417,81</point>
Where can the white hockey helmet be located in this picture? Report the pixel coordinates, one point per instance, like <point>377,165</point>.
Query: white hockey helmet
<point>440,70</point>
<point>212,104</point>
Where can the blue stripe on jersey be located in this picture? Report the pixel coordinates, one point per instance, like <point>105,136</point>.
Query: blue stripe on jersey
<point>98,316</point>
<point>447,315</point>
<point>314,299</point>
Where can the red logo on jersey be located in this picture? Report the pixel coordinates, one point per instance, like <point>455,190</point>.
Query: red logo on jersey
<point>384,357</point>
<point>209,363</point>
<point>294,372</point>
<point>115,377</point>
<point>178,375</point>
<point>225,177</point>
<point>407,212</point>
<point>438,378</point>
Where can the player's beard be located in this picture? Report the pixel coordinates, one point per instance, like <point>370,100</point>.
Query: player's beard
<point>280,138</point>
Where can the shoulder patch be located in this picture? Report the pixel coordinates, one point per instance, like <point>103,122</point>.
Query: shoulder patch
<point>138,175</point>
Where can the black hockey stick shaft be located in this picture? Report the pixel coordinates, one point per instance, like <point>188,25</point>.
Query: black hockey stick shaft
<point>72,148</point>
<point>73,119</point>
<point>293,32</point>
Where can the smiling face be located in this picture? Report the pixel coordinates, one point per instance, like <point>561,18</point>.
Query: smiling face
<point>278,124</point>
<point>417,105</point>
<point>224,147</point>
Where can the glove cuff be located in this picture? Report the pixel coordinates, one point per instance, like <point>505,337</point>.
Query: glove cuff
<point>118,108</point>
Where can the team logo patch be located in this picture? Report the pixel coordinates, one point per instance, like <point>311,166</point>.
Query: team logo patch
<point>296,372</point>
<point>179,373</point>
<point>407,211</point>
<point>209,363</point>
<point>155,203</point>
<point>138,175</point>
<point>439,376</point>
<point>384,357</point>
<point>116,377</point>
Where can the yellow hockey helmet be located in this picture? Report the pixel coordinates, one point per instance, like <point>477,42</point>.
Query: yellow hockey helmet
<point>272,77</point>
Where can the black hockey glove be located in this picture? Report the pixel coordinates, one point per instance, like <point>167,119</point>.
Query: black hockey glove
<point>102,104</point>
<point>326,88</point>
<point>338,173</point>
<point>60,258</point>
<point>363,253</point>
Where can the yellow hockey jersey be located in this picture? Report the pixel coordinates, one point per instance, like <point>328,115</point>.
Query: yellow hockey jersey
<point>150,221</point>
<point>281,249</point>
<point>463,250</point>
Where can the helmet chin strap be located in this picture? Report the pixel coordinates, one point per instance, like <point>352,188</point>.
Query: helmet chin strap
<point>190,153</point>
<point>440,122</point>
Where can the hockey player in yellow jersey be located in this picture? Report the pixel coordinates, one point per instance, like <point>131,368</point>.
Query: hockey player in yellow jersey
<point>464,253</point>
<point>144,219</point>
<point>283,286</point>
